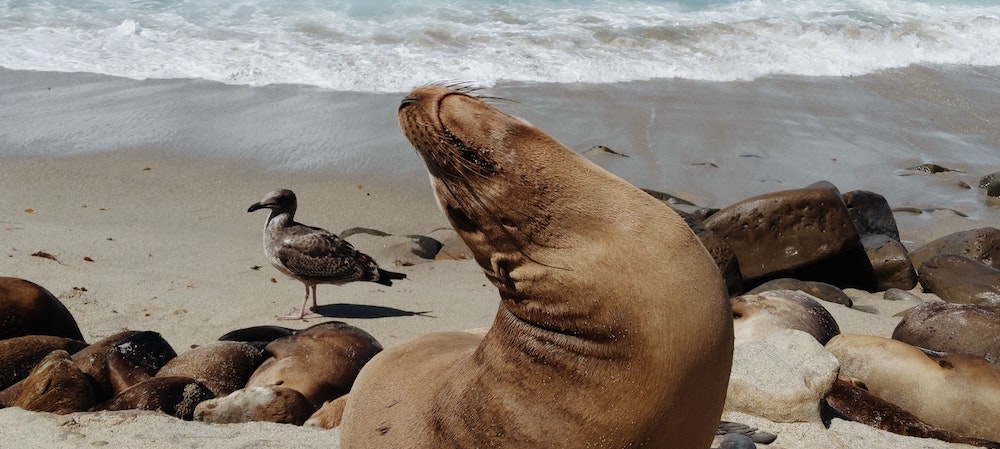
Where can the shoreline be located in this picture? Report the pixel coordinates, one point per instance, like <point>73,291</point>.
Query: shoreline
<point>173,250</point>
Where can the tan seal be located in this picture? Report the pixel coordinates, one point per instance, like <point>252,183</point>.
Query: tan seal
<point>57,386</point>
<point>272,403</point>
<point>321,361</point>
<point>614,328</point>
<point>954,392</point>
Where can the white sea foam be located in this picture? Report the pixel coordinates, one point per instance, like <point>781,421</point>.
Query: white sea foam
<point>393,45</point>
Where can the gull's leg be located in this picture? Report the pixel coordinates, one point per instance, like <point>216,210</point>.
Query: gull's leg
<point>313,308</point>
<point>302,311</point>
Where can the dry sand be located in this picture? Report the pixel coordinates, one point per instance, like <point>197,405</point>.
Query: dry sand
<point>149,243</point>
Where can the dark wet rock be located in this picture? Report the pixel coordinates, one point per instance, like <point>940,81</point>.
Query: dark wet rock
<point>991,183</point>
<point>419,245</point>
<point>981,244</point>
<point>961,280</point>
<point>223,366</point>
<point>953,328</point>
<point>19,355</point>
<point>27,308</point>
<point>736,441</point>
<point>890,262</point>
<point>820,290</point>
<point>930,168</point>
<point>786,230</point>
<point>671,200</point>
<point>871,213</point>
<point>175,396</point>
<point>755,434</point>
<point>849,269</point>
<point>721,252</point>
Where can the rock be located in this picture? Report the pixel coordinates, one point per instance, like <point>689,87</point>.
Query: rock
<point>782,378</point>
<point>991,183</point>
<point>954,328</point>
<point>785,230</point>
<point>871,214</point>
<point>28,309</point>
<point>890,262</point>
<point>961,280</point>
<point>756,317</point>
<point>981,244</point>
<point>721,252</point>
<point>819,290</point>
<point>418,245</point>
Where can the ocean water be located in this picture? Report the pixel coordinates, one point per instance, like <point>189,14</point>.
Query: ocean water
<point>714,100</point>
<point>393,45</point>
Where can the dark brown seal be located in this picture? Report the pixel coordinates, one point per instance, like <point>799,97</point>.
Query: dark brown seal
<point>175,396</point>
<point>57,386</point>
<point>321,361</point>
<point>223,366</point>
<point>614,328</point>
<point>28,309</point>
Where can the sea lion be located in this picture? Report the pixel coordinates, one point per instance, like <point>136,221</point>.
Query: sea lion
<point>19,355</point>
<point>57,386</point>
<point>321,361</point>
<point>954,392</point>
<point>329,415</point>
<point>175,396</point>
<point>849,398</point>
<point>613,329</point>
<point>27,308</point>
<point>272,403</point>
<point>223,366</point>
<point>759,315</point>
<point>137,358</point>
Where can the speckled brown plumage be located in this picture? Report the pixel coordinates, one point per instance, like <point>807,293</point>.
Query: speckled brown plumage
<point>310,254</point>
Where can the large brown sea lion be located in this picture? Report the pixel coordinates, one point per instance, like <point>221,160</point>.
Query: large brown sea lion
<point>614,328</point>
<point>954,392</point>
<point>27,308</point>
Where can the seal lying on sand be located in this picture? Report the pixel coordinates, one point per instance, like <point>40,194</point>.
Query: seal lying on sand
<point>614,328</point>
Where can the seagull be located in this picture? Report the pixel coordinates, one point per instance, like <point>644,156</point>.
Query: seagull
<point>312,255</point>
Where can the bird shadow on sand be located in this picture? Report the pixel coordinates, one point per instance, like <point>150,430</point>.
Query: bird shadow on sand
<point>363,311</point>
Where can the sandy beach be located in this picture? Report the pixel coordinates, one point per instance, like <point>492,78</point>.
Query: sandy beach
<point>150,231</point>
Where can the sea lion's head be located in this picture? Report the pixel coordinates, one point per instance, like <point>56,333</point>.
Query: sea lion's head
<point>495,176</point>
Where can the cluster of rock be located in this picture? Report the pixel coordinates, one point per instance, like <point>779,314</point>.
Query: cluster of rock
<point>795,250</point>
<point>266,373</point>
<point>847,240</point>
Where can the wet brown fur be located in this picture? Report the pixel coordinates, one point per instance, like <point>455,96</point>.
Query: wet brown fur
<point>614,329</point>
